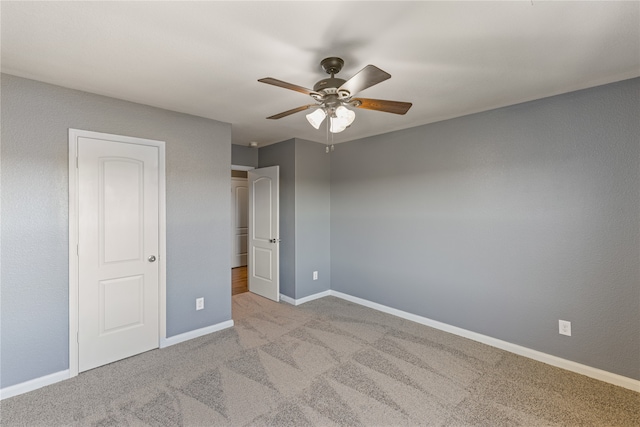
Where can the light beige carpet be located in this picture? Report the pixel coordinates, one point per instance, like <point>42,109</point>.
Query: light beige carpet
<point>328,362</point>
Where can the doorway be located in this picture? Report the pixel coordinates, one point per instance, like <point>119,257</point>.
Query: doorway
<point>255,230</point>
<point>239,229</point>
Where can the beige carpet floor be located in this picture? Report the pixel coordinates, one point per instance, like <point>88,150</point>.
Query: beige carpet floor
<point>325,363</point>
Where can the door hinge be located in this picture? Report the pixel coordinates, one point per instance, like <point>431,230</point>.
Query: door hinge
<point>78,250</point>
<point>78,337</point>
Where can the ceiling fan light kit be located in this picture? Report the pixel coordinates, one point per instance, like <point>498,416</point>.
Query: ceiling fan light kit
<point>333,95</point>
<point>316,118</point>
<point>339,120</point>
<point>342,120</point>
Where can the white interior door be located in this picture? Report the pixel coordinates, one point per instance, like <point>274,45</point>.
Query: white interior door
<point>264,237</point>
<point>118,241</point>
<point>239,221</point>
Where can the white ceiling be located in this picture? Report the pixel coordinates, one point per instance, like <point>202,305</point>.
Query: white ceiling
<point>204,58</point>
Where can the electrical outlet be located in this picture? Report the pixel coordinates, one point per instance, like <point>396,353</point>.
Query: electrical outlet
<point>564,327</point>
<point>315,275</point>
<point>199,303</point>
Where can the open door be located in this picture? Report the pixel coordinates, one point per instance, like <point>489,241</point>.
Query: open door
<point>264,234</point>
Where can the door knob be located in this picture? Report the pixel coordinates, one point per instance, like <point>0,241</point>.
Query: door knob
<point>152,258</point>
<point>274,240</point>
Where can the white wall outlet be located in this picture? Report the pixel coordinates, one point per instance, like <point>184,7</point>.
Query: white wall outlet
<point>565,327</point>
<point>315,275</point>
<point>199,303</point>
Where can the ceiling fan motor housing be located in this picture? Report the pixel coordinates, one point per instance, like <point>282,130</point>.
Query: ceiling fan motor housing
<point>328,86</point>
<point>331,65</point>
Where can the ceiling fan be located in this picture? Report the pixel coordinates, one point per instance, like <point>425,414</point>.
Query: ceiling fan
<point>333,95</point>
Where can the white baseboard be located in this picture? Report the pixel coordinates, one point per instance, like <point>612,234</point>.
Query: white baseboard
<point>558,362</point>
<point>287,299</point>
<point>33,384</point>
<point>292,301</point>
<point>177,339</point>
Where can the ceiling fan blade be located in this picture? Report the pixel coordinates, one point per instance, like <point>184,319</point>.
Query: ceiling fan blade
<point>367,77</point>
<point>280,83</point>
<point>395,107</point>
<point>292,111</point>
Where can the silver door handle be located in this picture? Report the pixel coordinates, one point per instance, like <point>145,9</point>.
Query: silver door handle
<point>152,258</point>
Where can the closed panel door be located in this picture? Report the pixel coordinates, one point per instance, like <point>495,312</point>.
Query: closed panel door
<point>264,241</point>
<point>240,221</point>
<point>118,246</point>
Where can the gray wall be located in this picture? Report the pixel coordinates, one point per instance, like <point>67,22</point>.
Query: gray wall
<point>313,169</point>
<point>503,222</point>
<point>244,156</point>
<point>283,154</point>
<point>34,271</point>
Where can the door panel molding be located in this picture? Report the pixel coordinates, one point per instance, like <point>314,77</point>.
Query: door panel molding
<point>74,136</point>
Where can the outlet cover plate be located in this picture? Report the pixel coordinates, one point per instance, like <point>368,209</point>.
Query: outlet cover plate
<point>564,327</point>
<point>199,303</point>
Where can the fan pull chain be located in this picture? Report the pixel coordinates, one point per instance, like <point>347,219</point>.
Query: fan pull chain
<point>327,148</point>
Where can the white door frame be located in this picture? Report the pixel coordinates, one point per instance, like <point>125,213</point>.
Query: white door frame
<point>74,134</point>
<point>240,182</point>
<point>241,168</point>
<point>231,226</point>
